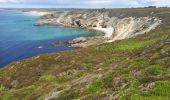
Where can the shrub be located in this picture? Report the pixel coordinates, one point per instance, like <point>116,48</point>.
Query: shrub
<point>153,70</point>
<point>96,86</point>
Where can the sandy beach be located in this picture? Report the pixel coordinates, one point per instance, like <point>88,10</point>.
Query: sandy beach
<point>37,13</point>
<point>108,31</point>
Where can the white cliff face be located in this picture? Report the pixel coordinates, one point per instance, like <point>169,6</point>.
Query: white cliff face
<point>129,27</point>
<point>114,28</point>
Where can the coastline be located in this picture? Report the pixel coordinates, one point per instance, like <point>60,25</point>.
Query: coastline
<point>107,31</point>
<point>121,28</point>
<point>38,43</point>
<point>77,42</point>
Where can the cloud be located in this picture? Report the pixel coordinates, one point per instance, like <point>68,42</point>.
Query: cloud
<point>154,2</point>
<point>86,3</point>
<point>11,1</point>
<point>99,1</point>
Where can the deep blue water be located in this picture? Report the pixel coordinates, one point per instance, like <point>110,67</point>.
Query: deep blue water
<point>20,39</point>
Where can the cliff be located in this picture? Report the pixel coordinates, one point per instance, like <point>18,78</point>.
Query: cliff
<point>114,27</point>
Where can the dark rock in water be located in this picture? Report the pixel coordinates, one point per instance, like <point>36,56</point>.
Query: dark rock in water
<point>78,40</point>
<point>59,25</point>
<point>71,42</point>
<point>27,20</point>
<point>40,24</point>
<point>81,42</point>
<point>60,43</point>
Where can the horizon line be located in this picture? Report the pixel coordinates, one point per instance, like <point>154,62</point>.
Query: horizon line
<point>81,7</point>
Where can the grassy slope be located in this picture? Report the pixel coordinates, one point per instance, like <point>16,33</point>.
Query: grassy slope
<point>136,68</point>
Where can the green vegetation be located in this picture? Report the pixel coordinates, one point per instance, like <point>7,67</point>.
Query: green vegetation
<point>151,7</point>
<point>96,86</point>
<point>131,69</point>
<point>47,78</point>
<point>161,88</point>
<point>160,91</point>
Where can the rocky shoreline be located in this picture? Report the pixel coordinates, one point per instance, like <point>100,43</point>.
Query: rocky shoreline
<point>81,42</point>
<point>114,27</point>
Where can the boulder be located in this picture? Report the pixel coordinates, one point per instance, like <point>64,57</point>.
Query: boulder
<point>78,40</point>
<point>40,24</point>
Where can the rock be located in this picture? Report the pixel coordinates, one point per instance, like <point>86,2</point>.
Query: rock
<point>78,23</point>
<point>8,78</point>
<point>14,83</point>
<point>146,87</point>
<point>78,40</point>
<point>60,43</point>
<point>168,41</point>
<point>117,82</point>
<point>68,72</point>
<point>163,51</point>
<point>73,43</point>
<point>42,23</point>
<point>39,24</point>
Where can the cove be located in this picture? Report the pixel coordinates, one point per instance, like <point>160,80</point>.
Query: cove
<point>20,39</point>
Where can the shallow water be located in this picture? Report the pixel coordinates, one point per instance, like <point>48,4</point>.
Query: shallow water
<point>20,39</point>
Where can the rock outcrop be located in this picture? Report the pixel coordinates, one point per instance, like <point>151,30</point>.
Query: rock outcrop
<point>115,28</point>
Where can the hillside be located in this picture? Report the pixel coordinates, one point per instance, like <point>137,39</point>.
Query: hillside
<point>130,69</point>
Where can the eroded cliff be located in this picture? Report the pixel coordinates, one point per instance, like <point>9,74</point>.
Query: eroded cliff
<point>114,27</point>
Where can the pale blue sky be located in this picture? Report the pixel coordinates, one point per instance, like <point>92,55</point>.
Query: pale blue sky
<point>82,3</point>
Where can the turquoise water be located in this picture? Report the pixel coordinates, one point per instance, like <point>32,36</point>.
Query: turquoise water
<point>20,39</point>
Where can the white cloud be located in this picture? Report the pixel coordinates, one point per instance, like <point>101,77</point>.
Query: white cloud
<point>154,2</point>
<point>2,1</point>
<point>89,3</point>
<point>98,1</point>
<point>161,2</point>
<point>11,1</point>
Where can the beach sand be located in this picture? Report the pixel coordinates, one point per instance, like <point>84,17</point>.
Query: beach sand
<point>37,13</point>
<point>108,31</point>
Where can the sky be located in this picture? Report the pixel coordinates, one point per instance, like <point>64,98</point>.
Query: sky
<point>81,3</point>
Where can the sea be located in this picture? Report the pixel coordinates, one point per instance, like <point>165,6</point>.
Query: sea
<point>21,39</point>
